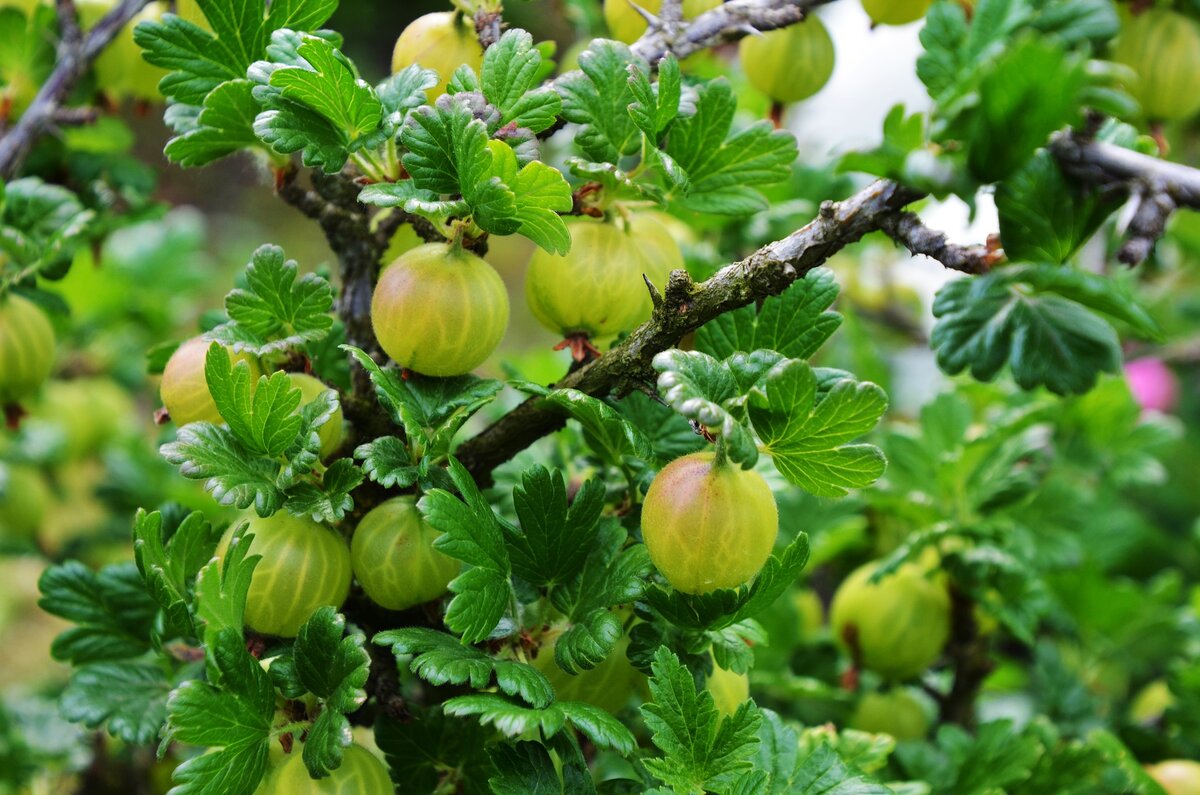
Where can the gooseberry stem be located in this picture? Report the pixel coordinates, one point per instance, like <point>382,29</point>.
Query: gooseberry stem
<point>721,458</point>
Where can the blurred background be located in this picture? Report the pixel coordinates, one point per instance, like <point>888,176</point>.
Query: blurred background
<point>86,457</point>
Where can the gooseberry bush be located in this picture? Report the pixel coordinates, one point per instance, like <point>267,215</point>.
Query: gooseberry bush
<point>374,549</point>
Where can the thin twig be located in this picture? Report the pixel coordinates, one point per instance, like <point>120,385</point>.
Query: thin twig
<point>73,62</point>
<point>908,230</point>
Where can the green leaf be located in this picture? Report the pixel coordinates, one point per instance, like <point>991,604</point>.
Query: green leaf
<point>555,535</point>
<point>1043,216</point>
<point>233,714</point>
<point>723,166</point>
<point>598,98</point>
<point>287,127</point>
<point>701,388</point>
<point>319,106</point>
<point>606,432</point>
<point>330,86</point>
<point>448,154</point>
<point>170,569</point>
<point>405,90</point>
<point>1016,316</point>
<point>262,417</point>
<point>387,462</point>
<point>541,193</point>
<point>808,438</point>
<point>510,75</point>
<point>823,772</point>
<point>795,323</point>
<point>515,720</point>
<point>330,501</point>
<point>200,61</point>
<point>725,607</point>
<point>232,474</point>
<point>699,752</point>
<point>129,699</point>
<point>669,434</point>
<point>656,105</point>
<point>113,612</point>
<point>223,125</point>
<point>524,769</point>
<point>275,312</point>
<point>420,750</point>
<point>221,588</point>
<point>40,224</point>
<point>471,533</point>
<point>427,407</point>
<point>1019,109</point>
<point>442,659</point>
<point>995,758</point>
<point>613,574</point>
<point>332,666</point>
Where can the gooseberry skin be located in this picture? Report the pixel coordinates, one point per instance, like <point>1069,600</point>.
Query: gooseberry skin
<point>439,310</point>
<point>1177,776</point>
<point>708,526</point>
<point>729,690</point>
<point>440,42</point>
<point>333,431</point>
<point>628,25</point>
<point>24,497</point>
<point>359,774</point>
<point>898,625</point>
<point>789,64</point>
<point>26,348</point>
<point>90,412</point>
<point>393,557</point>
<point>596,289</point>
<point>897,713</point>
<point>1163,48</point>
<point>304,565</point>
<point>184,388</point>
<point>660,252</point>
<point>895,12</point>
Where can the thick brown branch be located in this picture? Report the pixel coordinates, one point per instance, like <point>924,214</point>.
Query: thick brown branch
<point>75,57</point>
<point>968,651</point>
<point>727,22</point>
<point>687,306</point>
<point>907,230</point>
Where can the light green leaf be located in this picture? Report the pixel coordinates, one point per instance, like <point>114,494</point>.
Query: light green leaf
<point>808,439</point>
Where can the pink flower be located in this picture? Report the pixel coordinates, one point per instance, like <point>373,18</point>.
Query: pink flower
<point>1153,384</point>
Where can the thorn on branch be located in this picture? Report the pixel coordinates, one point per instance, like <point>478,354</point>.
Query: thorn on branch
<point>655,296</point>
<point>651,19</point>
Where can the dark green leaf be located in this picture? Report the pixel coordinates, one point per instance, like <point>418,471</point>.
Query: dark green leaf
<point>795,324</point>
<point>113,612</point>
<point>440,659</point>
<point>517,719</point>
<point>700,751</point>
